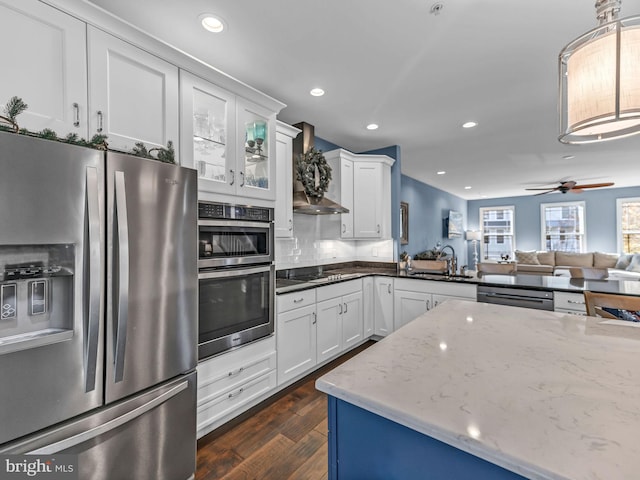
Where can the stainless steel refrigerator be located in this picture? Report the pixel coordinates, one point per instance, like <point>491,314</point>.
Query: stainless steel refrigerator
<point>98,309</point>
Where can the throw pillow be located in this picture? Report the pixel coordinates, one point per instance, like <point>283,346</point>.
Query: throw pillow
<point>634,266</point>
<point>604,260</point>
<point>624,261</point>
<point>547,258</point>
<point>568,259</point>
<point>527,258</point>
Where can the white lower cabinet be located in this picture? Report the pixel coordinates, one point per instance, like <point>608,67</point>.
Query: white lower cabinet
<point>232,382</point>
<point>413,297</point>
<point>383,306</point>
<point>340,321</point>
<point>566,302</point>
<point>368,307</point>
<point>296,334</point>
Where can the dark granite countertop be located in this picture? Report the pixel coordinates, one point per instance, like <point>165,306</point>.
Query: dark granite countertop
<point>287,281</point>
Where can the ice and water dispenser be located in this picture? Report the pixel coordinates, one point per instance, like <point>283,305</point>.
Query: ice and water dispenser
<point>36,295</point>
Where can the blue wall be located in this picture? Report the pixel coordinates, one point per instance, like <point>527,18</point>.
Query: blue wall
<point>600,207</point>
<point>428,207</point>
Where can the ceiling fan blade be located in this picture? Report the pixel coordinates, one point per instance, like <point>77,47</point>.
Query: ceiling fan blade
<point>549,189</point>
<point>544,193</point>
<point>594,185</point>
<point>576,190</point>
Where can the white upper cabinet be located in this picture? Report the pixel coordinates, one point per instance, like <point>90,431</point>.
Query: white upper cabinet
<point>255,172</point>
<point>363,185</point>
<point>133,95</point>
<point>44,60</point>
<point>207,126</point>
<point>284,172</point>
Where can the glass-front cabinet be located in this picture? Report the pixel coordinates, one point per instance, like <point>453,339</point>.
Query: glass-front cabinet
<point>227,139</point>
<point>256,126</point>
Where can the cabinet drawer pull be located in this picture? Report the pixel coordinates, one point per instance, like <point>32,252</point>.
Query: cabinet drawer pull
<point>340,309</point>
<point>344,228</point>
<point>76,114</point>
<point>237,372</point>
<point>315,318</point>
<point>428,305</point>
<point>242,179</point>
<point>232,395</point>
<point>576,302</point>
<point>290,224</point>
<point>233,177</point>
<point>345,308</point>
<point>99,121</point>
<point>389,288</point>
<point>378,228</point>
<point>298,300</point>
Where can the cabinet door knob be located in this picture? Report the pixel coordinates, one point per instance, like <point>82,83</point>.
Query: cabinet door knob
<point>99,121</point>
<point>76,114</point>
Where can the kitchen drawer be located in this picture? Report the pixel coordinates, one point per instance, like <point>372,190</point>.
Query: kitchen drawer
<point>569,301</point>
<point>224,379</point>
<point>295,300</point>
<point>217,407</point>
<point>338,289</point>
<point>572,312</point>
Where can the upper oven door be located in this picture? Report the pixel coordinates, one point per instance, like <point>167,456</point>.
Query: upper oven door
<point>232,242</point>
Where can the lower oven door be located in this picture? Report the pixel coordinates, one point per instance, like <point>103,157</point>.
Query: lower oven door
<point>236,306</point>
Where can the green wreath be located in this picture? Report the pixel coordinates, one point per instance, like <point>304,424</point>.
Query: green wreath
<point>313,171</point>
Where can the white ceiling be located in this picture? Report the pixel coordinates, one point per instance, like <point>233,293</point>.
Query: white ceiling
<point>418,75</point>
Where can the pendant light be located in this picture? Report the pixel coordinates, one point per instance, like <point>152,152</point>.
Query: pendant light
<point>600,80</point>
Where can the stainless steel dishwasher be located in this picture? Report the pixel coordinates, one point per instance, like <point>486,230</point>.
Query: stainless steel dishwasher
<point>516,297</point>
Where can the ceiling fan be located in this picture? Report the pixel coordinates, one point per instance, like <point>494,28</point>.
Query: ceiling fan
<point>570,186</point>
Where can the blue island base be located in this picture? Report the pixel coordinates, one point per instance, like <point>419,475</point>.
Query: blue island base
<point>363,445</point>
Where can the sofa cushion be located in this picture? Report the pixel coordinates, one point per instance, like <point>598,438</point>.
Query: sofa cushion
<point>623,261</point>
<point>536,269</point>
<point>634,266</point>
<point>528,258</point>
<point>605,260</point>
<point>547,258</point>
<point>567,259</point>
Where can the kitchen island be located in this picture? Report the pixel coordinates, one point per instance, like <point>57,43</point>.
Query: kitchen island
<point>472,390</point>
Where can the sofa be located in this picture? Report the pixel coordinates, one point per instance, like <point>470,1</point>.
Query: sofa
<point>625,266</point>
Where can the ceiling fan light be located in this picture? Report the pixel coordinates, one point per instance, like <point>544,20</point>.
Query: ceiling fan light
<point>600,84</point>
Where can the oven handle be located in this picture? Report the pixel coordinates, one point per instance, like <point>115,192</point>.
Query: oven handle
<point>233,223</point>
<point>232,272</point>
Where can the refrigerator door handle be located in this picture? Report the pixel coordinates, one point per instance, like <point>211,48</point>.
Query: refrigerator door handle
<point>122,276</point>
<point>93,278</point>
<point>111,424</point>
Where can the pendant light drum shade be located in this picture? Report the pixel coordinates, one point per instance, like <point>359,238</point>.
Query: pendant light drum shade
<point>600,84</point>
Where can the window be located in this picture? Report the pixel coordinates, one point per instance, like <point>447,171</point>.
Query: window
<point>497,227</point>
<point>563,227</point>
<point>628,214</point>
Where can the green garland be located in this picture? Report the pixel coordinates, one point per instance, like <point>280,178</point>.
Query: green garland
<point>313,171</point>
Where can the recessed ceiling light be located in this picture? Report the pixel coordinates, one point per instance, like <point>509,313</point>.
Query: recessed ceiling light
<point>568,157</point>
<point>372,126</point>
<point>469,124</point>
<point>212,23</point>
<point>468,187</point>
<point>317,92</point>
<point>441,172</point>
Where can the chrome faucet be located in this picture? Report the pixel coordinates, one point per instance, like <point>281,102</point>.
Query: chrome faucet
<point>452,266</point>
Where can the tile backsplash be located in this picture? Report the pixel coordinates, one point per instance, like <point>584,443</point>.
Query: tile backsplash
<point>316,241</point>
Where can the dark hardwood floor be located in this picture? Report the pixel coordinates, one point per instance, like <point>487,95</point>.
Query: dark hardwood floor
<point>285,437</point>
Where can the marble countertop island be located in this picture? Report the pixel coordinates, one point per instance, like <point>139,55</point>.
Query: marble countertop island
<point>545,395</point>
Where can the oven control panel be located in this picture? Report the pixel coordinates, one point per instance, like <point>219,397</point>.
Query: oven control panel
<point>234,212</point>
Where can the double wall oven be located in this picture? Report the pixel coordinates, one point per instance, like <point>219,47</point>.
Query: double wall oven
<point>236,276</point>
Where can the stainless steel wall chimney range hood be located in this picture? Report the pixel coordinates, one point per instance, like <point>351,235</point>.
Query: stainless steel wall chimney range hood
<point>301,202</point>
